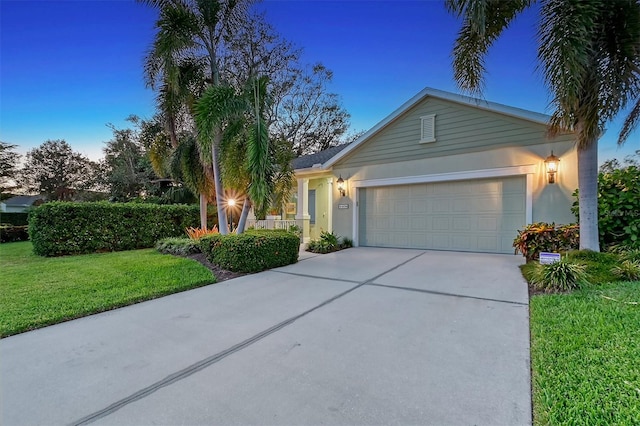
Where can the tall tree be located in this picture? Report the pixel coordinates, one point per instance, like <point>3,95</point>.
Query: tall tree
<point>306,114</point>
<point>8,166</point>
<point>254,163</point>
<point>194,32</point>
<point>589,54</point>
<point>128,171</point>
<point>56,170</point>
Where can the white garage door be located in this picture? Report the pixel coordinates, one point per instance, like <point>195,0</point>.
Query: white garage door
<point>480,215</point>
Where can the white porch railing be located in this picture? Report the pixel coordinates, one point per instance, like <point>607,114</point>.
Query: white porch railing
<point>270,224</point>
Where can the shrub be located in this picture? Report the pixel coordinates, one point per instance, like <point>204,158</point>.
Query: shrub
<point>346,242</point>
<point>197,233</point>
<point>329,242</point>
<point>559,276</point>
<point>627,270</point>
<point>74,228</point>
<point>618,206</point>
<point>251,251</point>
<point>16,219</point>
<point>10,234</point>
<point>632,255</point>
<point>296,230</point>
<point>546,237</point>
<point>178,246</point>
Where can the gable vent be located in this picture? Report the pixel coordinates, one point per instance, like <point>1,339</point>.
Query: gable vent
<point>428,128</point>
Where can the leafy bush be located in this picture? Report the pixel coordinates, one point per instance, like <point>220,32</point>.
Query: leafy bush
<point>296,230</point>
<point>251,251</point>
<point>628,270</point>
<point>74,228</point>
<point>197,233</point>
<point>546,237</point>
<point>10,234</point>
<point>618,206</point>
<point>346,242</point>
<point>16,219</point>
<point>178,246</point>
<point>329,242</point>
<point>559,276</point>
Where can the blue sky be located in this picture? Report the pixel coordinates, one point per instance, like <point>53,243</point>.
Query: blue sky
<point>67,68</point>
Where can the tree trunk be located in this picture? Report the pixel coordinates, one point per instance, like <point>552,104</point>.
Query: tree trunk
<point>220,200</point>
<point>242,222</point>
<point>203,211</point>
<point>588,196</point>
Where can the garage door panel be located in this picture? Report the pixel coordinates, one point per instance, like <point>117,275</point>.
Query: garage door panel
<point>440,205</point>
<point>438,241</point>
<point>460,240</point>
<point>513,203</point>
<point>402,207</point>
<point>477,215</point>
<point>461,223</point>
<point>440,223</point>
<point>418,190</point>
<point>419,206</point>
<point>488,243</point>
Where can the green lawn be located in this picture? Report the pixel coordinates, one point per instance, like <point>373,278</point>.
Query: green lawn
<point>585,353</point>
<point>37,291</point>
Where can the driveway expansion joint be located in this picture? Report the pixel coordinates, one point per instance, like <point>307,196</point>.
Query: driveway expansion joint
<point>318,277</point>
<point>442,293</point>
<point>206,362</point>
<point>200,365</point>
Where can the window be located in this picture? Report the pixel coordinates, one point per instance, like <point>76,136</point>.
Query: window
<point>428,128</point>
<point>312,206</point>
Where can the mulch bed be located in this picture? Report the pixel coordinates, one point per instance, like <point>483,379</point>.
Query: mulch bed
<point>218,272</point>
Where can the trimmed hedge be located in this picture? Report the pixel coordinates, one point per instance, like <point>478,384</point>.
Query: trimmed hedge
<point>10,234</point>
<point>252,251</point>
<point>15,219</point>
<point>61,228</point>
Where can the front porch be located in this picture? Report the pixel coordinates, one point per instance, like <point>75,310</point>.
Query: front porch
<point>309,208</point>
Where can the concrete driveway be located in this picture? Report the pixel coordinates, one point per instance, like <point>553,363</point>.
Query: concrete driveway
<point>363,336</point>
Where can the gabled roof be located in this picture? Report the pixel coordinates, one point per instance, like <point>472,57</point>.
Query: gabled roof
<point>439,94</point>
<point>23,200</point>
<point>308,161</point>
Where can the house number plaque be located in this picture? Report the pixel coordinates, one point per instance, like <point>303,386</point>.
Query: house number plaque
<point>343,206</point>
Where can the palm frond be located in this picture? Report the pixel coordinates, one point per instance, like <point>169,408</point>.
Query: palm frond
<point>589,56</point>
<point>259,165</point>
<point>483,22</point>
<point>215,106</point>
<point>630,123</point>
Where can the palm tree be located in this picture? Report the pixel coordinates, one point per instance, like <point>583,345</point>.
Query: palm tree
<point>589,53</point>
<point>181,84</point>
<point>195,31</point>
<point>253,163</point>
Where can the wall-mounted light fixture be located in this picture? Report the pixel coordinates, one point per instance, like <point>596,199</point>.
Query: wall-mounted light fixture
<point>341,186</point>
<point>551,163</point>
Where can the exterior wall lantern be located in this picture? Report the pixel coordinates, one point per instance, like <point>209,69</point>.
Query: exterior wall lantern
<point>341,186</point>
<point>551,163</point>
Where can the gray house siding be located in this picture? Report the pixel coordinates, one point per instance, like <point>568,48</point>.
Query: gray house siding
<point>459,129</point>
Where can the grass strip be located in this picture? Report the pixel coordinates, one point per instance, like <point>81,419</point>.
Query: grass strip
<point>37,291</point>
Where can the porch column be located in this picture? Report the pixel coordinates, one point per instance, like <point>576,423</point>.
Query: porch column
<point>330,204</point>
<point>302,215</point>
